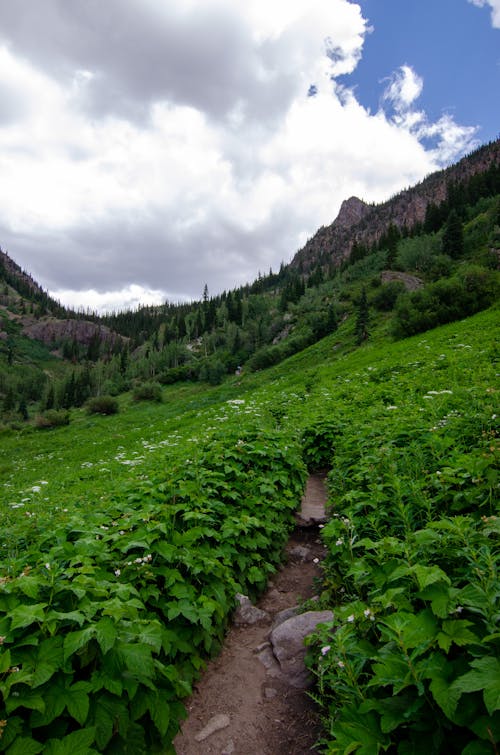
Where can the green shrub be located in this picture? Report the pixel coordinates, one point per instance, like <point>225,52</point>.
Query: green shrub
<point>52,418</point>
<point>385,297</point>
<point>472,289</point>
<point>418,253</point>
<point>102,405</point>
<point>148,392</point>
<point>177,374</point>
<point>318,442</point>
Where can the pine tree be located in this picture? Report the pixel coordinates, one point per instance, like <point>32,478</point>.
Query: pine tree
<point>453,236</point>
<point>362,318</point>
<point>23,409</point>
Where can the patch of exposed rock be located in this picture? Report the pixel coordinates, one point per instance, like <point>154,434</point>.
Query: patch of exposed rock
<point>366,224</point>
<point>50,330</point>
<point>352,211</point>
<point>410,282</point>
<point>247,614</point>
<point>287,640</point>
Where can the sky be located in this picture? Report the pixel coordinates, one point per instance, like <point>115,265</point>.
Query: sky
<point>151,147</point>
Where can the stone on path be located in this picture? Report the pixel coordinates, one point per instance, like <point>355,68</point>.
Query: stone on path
<point>246,613</point>
<point>287,640</point>
<point>218,722</point>
<point>285,614</point>
<point>300,552</point>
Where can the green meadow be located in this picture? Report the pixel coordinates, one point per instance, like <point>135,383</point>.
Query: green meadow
<point>125,538</point>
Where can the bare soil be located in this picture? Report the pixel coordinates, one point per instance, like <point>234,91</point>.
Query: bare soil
<point>260,712</point>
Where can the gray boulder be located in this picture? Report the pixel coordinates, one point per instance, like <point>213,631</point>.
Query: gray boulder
<point>287,640</point>
<point>246,613</point>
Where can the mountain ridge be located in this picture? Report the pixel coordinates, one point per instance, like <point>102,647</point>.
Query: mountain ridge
<point>332,244</point>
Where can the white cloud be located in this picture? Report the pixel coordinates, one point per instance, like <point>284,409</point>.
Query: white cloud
<point>495,10</point>
<point>448,138</point>
<point>173,144</point>
<point>129,297</point>
<point>405,86</point>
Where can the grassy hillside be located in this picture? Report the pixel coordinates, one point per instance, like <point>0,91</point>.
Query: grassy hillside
<point>126,537</point>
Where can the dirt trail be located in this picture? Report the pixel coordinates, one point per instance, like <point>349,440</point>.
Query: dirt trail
<point>243,691</point>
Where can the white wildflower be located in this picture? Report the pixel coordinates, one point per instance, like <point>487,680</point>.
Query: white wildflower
<point>341,664</point>
<point>351,618</point>
<point>117,572</point>
<point>325,649</point>
<point>36,488</point>
<point>315,560</point>
<point>340,541</point>
<point>47,566</point>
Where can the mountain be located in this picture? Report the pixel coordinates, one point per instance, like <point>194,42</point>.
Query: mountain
<point>428,256</point>
<point>40,317</point>
<point>363,224</point>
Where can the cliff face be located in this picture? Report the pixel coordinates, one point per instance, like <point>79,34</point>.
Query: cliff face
<point>365,224</point>
<point>50,330</point>
<point>53,327</point>
<point>351,211</point>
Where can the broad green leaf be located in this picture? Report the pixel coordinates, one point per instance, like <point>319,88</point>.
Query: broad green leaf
<point>74,641</point>
<point>359,733</point>
<point>428,575</point>
<point>24,616</point>
<point>474,596</point>
<point>102,680</point>
<point>105,633</point>
<point>440,596</point>
<point>76,743</point>
<point>445,695</point>
<point>104,722</point>
<point>77,704</point>
<point>478,748</point>
<point>410,630</point>
<point>11,731</point>
<point>59,616</point>
<point>456,631</point>
<point>484,678</point>
<point>110,716</point>
<point>25,746</point>
<point>30,586</point>
<point>487,727</point>
<point>49,659</point>
<point>55,703</point>
<point>151,634</point>
<point>160,714</point>
<point>28,699</point>
<point>137,659</point>
<point>5,662</point>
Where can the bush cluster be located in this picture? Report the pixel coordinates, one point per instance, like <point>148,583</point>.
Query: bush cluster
<point>102,405</point>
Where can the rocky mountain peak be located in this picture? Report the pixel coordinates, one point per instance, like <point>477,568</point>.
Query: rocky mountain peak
<point>365,224</point>
<point>351,211</point>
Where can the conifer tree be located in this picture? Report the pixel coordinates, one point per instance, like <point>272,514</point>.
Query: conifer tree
<point>362,318</point>
<point>453,236</point>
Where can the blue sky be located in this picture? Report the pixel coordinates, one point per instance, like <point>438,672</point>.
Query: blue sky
<point>451,44</point>
<point>148,148</point>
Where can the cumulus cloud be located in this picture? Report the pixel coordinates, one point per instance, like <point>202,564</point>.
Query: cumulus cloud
<point>445,139</point>
<point>495,10</point>
<point>148,148</point>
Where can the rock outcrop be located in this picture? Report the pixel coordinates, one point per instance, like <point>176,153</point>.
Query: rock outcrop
<point>358,222</point>
<point>287,640</point>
